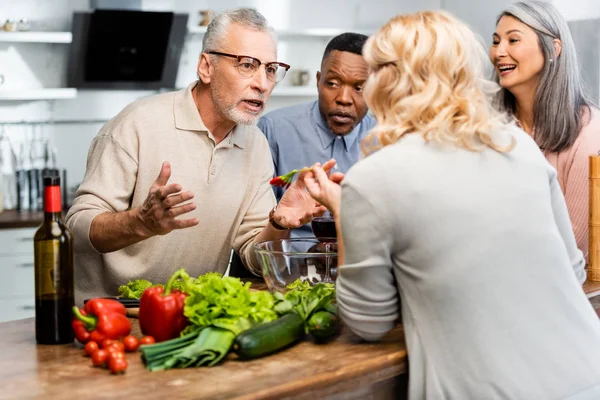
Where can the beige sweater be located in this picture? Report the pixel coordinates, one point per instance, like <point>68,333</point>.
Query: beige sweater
<point>230,182</point>
<point>572,166</point>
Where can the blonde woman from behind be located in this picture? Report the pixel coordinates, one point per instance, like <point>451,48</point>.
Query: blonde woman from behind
<point>457,216</point>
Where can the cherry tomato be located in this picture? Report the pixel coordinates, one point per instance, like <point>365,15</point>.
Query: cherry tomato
<point>113,355</point>
<point>107,342</point>
<point>147,340</point>
<point>99,358</point>
<point>117,365</point>
<point>115,348</point>
<point>131,343</point>
<point>90,348</point>
<point>118,345</point>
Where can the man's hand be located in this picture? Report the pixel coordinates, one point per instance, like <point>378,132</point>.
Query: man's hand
<point>325,189</point>
<point>296,206</point>
<point>163,204</point>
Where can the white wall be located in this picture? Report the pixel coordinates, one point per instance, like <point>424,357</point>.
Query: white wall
<point>579,9</point>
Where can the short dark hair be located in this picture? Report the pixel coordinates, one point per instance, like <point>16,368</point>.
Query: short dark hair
<point>349,41</point>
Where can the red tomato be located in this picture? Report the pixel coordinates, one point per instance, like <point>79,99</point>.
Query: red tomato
<point>117,365</point>
<point>118,345</point>
<point>113,355</point>
<point>107,342</point>
<point>115,348</point>
<point>99,358</point>
<point>147,340</point>
<point>90,348</point>
<point>131,343</point>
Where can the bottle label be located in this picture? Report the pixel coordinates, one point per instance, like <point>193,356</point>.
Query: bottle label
<point>52,199</point>
<point>47,262</point>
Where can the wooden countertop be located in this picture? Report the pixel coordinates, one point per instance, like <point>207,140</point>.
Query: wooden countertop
<point>14,219</point>
<point>305,371</point>
<point>10,219</point>
<point>591,289</point>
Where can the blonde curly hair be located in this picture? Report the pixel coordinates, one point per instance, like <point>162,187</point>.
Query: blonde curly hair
<point>427,77</point>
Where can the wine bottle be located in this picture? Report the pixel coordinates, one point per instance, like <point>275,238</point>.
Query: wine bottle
<point>54,282</point>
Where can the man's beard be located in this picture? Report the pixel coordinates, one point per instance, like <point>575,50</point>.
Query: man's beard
<point>231,112</point>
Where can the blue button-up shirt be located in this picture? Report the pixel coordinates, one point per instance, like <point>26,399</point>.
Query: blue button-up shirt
<point>299,137</point>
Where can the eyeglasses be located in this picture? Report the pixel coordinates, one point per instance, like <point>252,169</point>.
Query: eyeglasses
<point>247,66</point>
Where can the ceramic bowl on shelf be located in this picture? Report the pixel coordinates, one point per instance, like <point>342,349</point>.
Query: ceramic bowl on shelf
<point>285,260</point>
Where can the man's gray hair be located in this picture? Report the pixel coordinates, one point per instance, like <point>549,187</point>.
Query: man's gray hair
<point>217,29</point>
<point>561,107</point>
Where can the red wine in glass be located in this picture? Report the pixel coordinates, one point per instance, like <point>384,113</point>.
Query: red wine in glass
<point>324,228</point>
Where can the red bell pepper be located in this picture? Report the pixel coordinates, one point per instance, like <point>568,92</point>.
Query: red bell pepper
<point>100,319</point>
<point>161,310</point>
<point>101,306</point>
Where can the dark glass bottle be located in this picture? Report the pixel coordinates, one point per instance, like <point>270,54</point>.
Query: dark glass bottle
<point>54,282</point>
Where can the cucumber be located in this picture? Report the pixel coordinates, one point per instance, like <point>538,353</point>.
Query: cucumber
<point>323,325</point>
<point>267,338</point>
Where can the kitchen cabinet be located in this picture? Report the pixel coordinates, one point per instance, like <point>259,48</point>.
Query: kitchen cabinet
<point>41,93</point>
<point>36,37</point>
<point>16,274</point>
<point>38,94</point>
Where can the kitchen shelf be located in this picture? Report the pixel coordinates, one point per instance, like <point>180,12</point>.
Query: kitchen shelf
<point>38,94</point>
<point>36,37</point>
<point>299,33</point>
<point>291,91</point>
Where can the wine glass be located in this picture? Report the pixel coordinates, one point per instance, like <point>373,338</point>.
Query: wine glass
<point>324,229</point>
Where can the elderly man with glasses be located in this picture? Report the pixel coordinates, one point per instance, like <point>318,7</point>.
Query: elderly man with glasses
<point>178,179</point>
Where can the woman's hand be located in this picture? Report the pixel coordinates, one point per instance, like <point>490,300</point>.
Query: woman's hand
<point>327,190</point>
<point>296,206</point>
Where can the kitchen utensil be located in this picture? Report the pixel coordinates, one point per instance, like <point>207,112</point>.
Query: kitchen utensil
<point>593,272</point>
<point>309,259</point>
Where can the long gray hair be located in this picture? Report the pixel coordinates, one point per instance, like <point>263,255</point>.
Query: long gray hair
<point>561,107</point>
<point>217,29</point>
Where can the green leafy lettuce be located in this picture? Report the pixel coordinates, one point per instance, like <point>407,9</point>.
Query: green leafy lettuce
<point>227,303</point>
<point>305,299</point>
<point>134,289</point>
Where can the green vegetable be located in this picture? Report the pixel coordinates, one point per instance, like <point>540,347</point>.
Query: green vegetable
<point>227,303</point>
<point>269,337</point>
<point>134,289</point>
<point>200,347</point>
<point>218,309</point>
<point>304,299</point>
<point>155,355</point>
<point>323,325</point>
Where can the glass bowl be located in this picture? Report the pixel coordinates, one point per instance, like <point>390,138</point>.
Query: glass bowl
<point>285,260</point>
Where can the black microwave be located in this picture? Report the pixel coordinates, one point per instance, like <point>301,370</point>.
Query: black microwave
<point>122,49</point>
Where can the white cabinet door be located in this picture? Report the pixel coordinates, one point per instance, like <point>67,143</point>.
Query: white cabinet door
<point>16,241</point>
<point>16,276</point>
<point>17,284</point>
<point>17,308</point>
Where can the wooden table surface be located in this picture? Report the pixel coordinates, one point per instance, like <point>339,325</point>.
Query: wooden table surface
<point>305,371</point>
<point>15,219</point>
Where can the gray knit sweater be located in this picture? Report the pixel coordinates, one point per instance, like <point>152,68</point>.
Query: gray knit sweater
<point>478,249</point>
